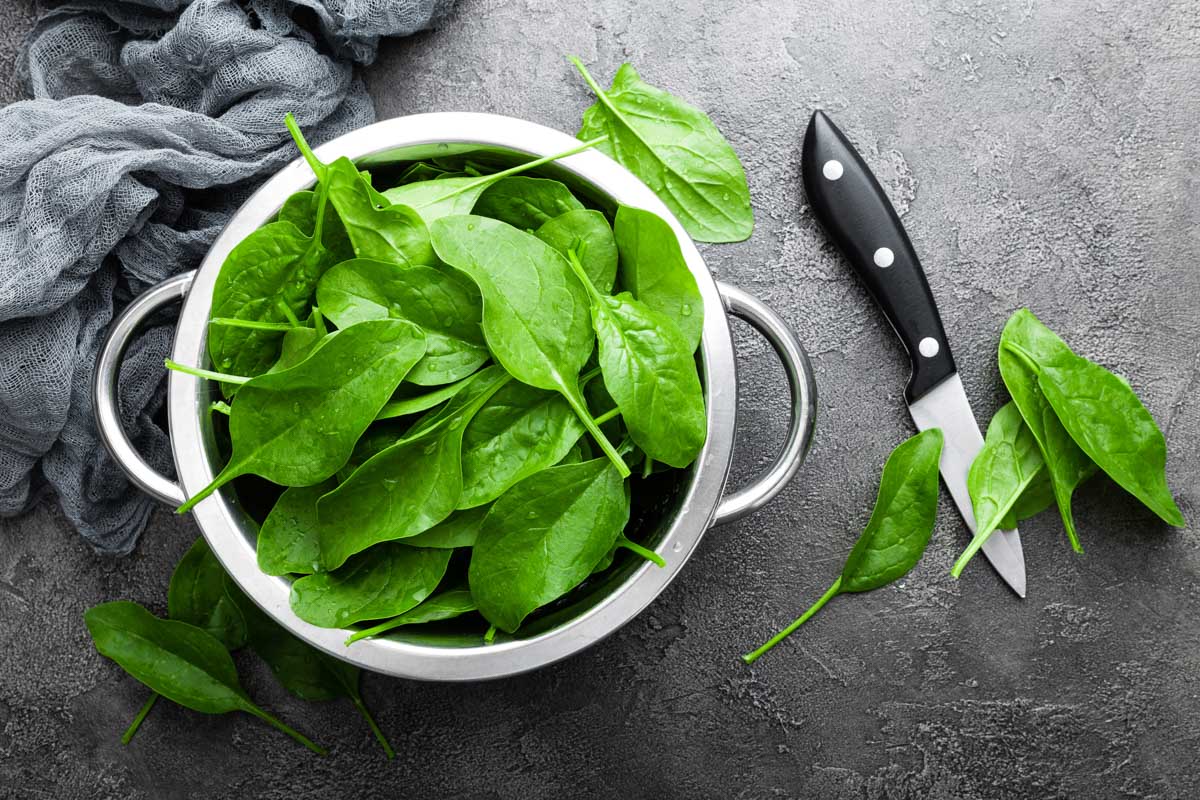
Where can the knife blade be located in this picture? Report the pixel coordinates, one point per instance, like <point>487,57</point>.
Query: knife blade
<point>855,212</point>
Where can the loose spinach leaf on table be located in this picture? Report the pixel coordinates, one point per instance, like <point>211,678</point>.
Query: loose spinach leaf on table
<point>196,595</point>
<point>587,231</point>
<point>676,150</point>
<point>384,581</point>
<point>520,430</point>
<point>1009,465</point>
<point>392,233</point>
<point>897,533</point>
<point>446,307</point>
<point>406,488</point>
<point>176,660</point>
<point>526,203</point>
<point>654,270</point>
<point>542,538</point>
<point>298,427</point>
<point>288,539</point>
<point>303,670</point>
<point>649,371</point>
<point>1111,425</point>
<point>441,606</point>
<point>535,313</point>
<point>1067,465</point>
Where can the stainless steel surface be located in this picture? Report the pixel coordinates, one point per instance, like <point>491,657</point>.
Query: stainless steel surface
<point>230,532</point>
<point>946,407</point>
<point>803,389</point>
<point>104,389</point>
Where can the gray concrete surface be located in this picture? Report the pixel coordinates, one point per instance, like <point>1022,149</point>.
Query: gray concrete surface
<point>1043,154</point>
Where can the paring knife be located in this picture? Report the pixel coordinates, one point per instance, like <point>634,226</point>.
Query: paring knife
<point>857,215</point>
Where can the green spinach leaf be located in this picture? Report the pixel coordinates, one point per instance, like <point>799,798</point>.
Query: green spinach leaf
<point>542,538</point>
<point>520,430</point>
<point>526,203</point>
<point>1068,466</point>
<point>649,371</point>
<point>384,581</point>
<point>298,427</point>
<point>1105,419</point>
<point>404,403</point>
<point>897,533</point>
<point>303,670</point>
<point>441,606</point>
<point>404,489</point>
<point>676,150</point>
<point>460,529</point>
<point>449,195</point>
<point>288,540</point>
<point>587,232</point>
<point>376,230</point>
<point>447,308</point>
<point>654,270</point>
<point>176,660</point>
<point>196,595</point>
<point>535,312</point>
<point>1009,464</point>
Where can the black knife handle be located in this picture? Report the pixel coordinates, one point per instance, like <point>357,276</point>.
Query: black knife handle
<point>857,215</point>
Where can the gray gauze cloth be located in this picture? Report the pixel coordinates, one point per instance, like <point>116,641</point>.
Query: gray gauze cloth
<point>152,121</point>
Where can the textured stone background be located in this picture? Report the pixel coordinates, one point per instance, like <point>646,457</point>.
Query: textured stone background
<point>1043,154</point>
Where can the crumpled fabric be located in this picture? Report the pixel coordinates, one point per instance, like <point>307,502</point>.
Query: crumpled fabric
<point>152,120</point>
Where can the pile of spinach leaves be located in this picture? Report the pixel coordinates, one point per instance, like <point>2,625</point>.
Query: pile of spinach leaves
<point>453,377</point>
<point>1068,419</point>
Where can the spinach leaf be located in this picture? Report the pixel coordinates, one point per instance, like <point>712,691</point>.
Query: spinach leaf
<point>1007,466</point>
<point>653,269</point>
<point>391,233</point>
<point>460,529</point>
<point>519,431</point>
<point>542,538</point>
<point>303,670</point>
<point>386,580</point>
<point>406,488</point>
<point>525,202</point>
<point>288,539</point>
<point>403,403</point>
<point>272,271</point>
<point>297,345</point>
<point>298,426</point>
<point>1105,418</point>
<point>1037,497</point>
<point>445,307</point>
<point>897,533</point>
<point>649,370</point>
<point>1067,465</point>
<point>196,595</point>
<point>449,195</point>
<point>586,231</point>
<point>535,313</point>
<point>176,660</point>
<point>442,606</point>
<point>301,210</point>
<point>676,150</point>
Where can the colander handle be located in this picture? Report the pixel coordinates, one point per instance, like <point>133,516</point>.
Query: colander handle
<point>104,389</point>
<point>803,411</point>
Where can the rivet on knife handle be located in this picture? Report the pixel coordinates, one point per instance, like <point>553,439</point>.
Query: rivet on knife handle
<point>857,215</point>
